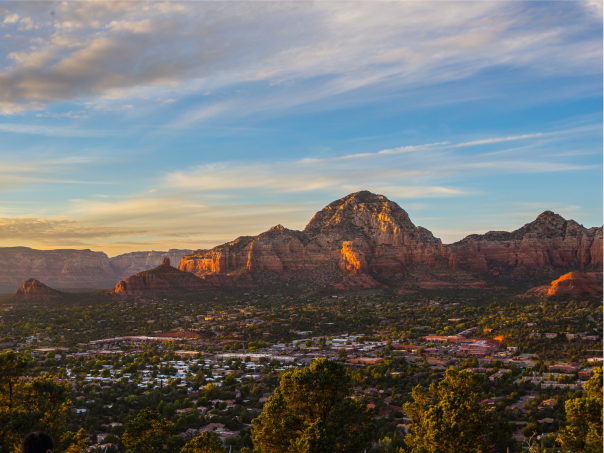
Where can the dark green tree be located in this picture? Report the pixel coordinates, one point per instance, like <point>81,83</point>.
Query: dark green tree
<point>584,415</point>
<point>25,406</point>
<point>312,411</point>
<point>206,442</point>
<point>149,432</point>
<point>12,365</point>
<point>448,418</point>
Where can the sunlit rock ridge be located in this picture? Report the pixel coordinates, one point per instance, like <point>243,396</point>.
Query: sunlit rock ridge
<point>362,240</point>
<point>366,240</point>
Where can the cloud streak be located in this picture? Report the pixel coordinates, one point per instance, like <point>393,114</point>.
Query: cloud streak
<point>203,205</point>
<point>422,165</point>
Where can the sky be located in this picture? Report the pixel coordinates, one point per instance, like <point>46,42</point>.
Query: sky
<point>130,126</point>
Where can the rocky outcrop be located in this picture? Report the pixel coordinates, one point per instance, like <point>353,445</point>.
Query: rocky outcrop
<point>362,234</point>
<point>364,240</point>
<point>162,279</point>
<point>57,268</point>
<point>132,263</point>
<point>572,284</point>
<point>34,290</point>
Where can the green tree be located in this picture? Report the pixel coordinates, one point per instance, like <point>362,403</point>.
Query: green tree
<point>79,443</point>
<point>149,432</point>
<point>448,418</point>
<point>311,411</point>
<point>584,415</point>
<point>207,442</point>
<point>12,365</point>
<point>39,405</point>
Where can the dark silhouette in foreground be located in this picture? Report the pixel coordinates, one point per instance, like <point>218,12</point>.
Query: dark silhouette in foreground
<point>37,442</point>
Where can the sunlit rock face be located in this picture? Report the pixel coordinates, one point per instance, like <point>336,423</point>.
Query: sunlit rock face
<point>364,234</point>
<point>571,284</point>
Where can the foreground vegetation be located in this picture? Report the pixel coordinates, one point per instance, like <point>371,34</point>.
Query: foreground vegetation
<point>394,391</point>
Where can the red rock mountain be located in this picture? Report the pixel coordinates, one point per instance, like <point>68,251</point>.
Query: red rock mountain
<point>571,284</point>
<point>32,289</point>
<point>550,240</point>
<point>161,279</point>
<point>364,240</point>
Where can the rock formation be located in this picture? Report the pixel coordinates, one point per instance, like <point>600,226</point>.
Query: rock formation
<point>32,289</point>
<point>364,240</point>
<point>161,279</point>
<point>132,263</point>
<point>572,284</point>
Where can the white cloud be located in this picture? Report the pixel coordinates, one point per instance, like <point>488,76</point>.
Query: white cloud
<point>595,8</point>
<point>11,19</point>
<point>288,53</point>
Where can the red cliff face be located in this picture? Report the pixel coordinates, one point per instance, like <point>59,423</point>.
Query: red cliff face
<point>364,239</point>
<point>571,284</point>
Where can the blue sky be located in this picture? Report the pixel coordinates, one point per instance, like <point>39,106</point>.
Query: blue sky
<point>139,126</point>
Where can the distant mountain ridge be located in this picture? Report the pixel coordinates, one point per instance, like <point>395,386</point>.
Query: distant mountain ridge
<point>362,240</point>
<point>69,268</point>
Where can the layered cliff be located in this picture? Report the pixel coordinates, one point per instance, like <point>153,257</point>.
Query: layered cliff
<point>364,240</point>
<point>360,234</point>
<point>66,268</point>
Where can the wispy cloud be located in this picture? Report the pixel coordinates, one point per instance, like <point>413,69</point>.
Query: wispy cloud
<point>53,131</point>
<point>422,165</point>
<point>53,231</point>
<point>288,53</point>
